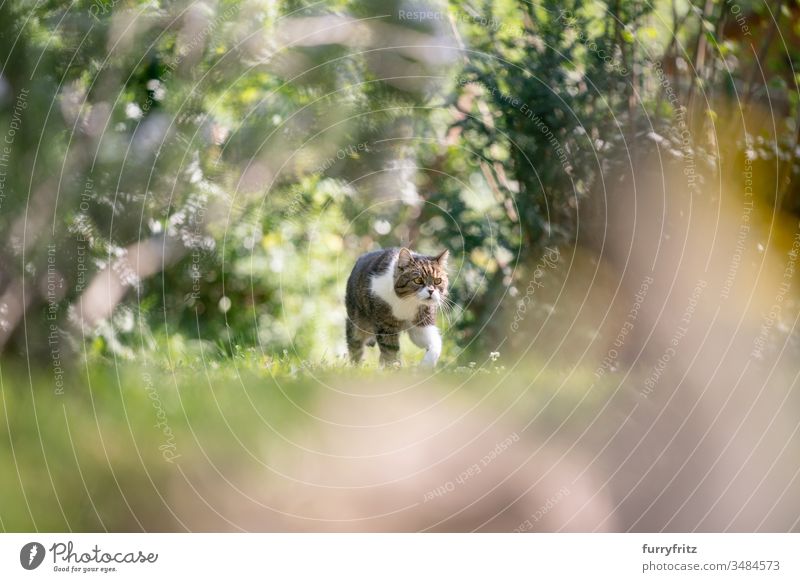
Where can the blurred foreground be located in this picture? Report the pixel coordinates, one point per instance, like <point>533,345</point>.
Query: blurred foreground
<point>185,187</point>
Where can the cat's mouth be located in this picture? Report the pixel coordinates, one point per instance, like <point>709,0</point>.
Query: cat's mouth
<point>428,298</point>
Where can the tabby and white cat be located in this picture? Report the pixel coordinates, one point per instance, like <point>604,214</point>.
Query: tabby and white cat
<point>394,290</point>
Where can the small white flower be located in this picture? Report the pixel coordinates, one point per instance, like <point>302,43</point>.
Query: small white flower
<point>133,111</point>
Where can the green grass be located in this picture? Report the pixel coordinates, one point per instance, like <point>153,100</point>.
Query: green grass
<point>99,455</point>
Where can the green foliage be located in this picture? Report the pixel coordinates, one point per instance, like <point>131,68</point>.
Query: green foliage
<point>266,161</point>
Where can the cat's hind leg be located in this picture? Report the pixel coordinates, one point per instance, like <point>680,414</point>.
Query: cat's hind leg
<point>356,337</point>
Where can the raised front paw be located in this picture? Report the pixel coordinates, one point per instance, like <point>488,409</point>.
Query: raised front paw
<point>430,359</point>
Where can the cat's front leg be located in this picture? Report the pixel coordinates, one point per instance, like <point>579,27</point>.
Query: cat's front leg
<point>388,339</point>
<point>429,338</point>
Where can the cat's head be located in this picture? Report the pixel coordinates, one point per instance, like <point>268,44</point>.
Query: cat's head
<point>421,277</point>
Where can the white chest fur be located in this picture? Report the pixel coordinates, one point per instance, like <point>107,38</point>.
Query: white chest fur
<point>404,309</point>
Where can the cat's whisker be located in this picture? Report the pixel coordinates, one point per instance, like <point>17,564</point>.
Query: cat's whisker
<point>449,319</point>
<point>446,314</point>
<point>449,304</point>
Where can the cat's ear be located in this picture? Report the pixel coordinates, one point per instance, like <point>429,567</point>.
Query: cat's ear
<point>442,257</point>
<point>404,258</point>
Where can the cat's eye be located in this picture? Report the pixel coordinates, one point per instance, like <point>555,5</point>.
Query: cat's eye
<point>437,281</point>
<point>418,281</point>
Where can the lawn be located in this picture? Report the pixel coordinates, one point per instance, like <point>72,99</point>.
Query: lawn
<point>147,445</point>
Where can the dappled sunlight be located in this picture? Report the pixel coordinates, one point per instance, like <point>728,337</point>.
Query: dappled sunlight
<point>596,208</point>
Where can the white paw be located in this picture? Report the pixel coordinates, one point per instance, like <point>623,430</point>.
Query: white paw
<point>430,359</point>
<point>427,337</point>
